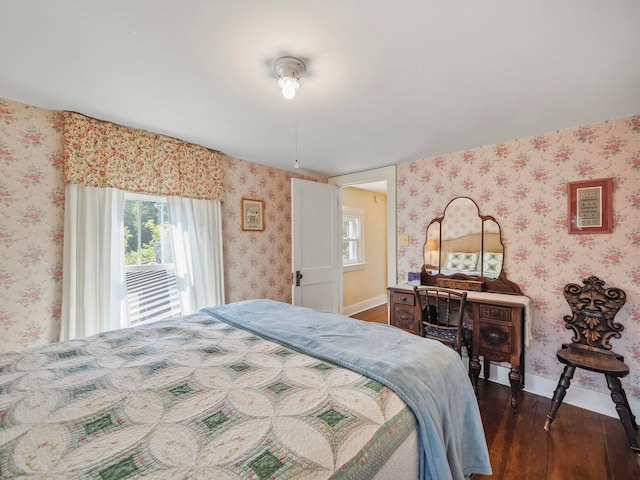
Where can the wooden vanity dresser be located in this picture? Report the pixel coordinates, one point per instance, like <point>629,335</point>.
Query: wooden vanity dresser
<point>463,250</point>
<point>499,329</point>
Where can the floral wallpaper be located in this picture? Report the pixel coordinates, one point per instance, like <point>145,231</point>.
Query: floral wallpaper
<point>523,184</point>
<point>257,264</point>
<point>31,229</point>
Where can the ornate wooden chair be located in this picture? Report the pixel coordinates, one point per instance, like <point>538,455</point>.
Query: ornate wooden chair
<point>442,316</point>
<point>592,323</point>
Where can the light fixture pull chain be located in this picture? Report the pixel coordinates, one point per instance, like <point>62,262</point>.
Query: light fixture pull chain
<point>295,109</point>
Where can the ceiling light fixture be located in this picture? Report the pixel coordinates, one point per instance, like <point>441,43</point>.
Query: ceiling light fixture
<point>289,70</point>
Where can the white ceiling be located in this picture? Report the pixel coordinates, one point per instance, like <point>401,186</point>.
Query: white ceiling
<point>386,82</point>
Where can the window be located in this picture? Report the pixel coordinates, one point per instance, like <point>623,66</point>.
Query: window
<point>152,292</point>
<point>352,238</point>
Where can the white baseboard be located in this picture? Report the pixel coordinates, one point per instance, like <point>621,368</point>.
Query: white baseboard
<point>578,396</point>
<point>367,304</point>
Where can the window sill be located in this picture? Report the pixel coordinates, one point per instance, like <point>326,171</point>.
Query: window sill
<point>353,266</point>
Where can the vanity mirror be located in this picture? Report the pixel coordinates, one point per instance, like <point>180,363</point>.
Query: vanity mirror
<point>464,249</point>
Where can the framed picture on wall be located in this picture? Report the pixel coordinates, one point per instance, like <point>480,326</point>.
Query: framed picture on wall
<point>252,215</point>
<point>590,206</point>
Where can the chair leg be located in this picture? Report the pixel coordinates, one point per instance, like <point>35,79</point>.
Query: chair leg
<point>624,411</point>
<point>475,372</point>
<point>626,402</point>
<point>559,394</point>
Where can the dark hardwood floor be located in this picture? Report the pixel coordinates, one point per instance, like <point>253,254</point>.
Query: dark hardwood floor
<point>581,444</point>
<point>376,314</point>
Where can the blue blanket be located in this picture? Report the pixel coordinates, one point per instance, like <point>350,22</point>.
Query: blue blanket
<point>428,376</point>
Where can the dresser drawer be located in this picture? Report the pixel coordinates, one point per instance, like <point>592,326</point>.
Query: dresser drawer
<point>495,312</point>
<point>494,337</point>
<point>404,317</point>
<point>404,298</point>
<point>472,285</point>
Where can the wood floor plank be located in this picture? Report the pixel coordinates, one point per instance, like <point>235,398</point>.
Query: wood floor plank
<point>377,314</point>
<point>570,452</point>
<point>492,402</point>
<point>500,447</point>
<point>619,462</point>
<point>528,456</point>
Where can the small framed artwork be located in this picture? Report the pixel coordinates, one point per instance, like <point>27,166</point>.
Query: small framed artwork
<point>252,215</point>
<point>590,206</point>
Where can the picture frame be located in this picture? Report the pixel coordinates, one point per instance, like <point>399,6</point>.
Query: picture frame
<point>252,215</point>
<point>590,207</point>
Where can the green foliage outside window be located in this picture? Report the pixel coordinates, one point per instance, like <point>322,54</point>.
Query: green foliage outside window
<point>145,232</point>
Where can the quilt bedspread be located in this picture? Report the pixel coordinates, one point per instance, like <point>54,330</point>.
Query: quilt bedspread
<point>429,377</point>
<point>190,398</point>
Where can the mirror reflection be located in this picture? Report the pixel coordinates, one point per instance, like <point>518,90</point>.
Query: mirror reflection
<point>463,242</point>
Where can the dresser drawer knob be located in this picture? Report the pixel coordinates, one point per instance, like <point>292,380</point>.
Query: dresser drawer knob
<point>494,336</point>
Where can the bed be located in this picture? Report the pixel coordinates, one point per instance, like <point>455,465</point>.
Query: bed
<point>256,389</point>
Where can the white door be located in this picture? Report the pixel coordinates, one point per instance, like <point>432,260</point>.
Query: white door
<point>316,241</point>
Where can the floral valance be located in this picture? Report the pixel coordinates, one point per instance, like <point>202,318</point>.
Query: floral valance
<point>102,154</point>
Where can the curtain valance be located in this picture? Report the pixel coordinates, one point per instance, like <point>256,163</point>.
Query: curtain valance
<point>103,154</point>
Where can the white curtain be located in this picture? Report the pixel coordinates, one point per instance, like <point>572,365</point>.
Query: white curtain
<point>196,238</point>
<point>93,289</point>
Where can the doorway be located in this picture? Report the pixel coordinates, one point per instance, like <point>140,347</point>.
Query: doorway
<point>377,182</point>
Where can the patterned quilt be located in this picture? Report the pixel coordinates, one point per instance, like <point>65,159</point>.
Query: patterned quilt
<point>190,398</point>
<point>428,376</point>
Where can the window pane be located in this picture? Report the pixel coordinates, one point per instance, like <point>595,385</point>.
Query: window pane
<point>146,233</point>
<point>350,228</point>
<point>353,251</point>
<point>352,238</point>
<point>152,292</point>
<point>350,251</point>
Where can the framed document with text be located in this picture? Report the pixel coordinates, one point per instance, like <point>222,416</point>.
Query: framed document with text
<point>590,206</point>
<point>252,215</point>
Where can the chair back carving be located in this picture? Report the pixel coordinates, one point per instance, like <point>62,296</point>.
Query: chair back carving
<point>594,308</point>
